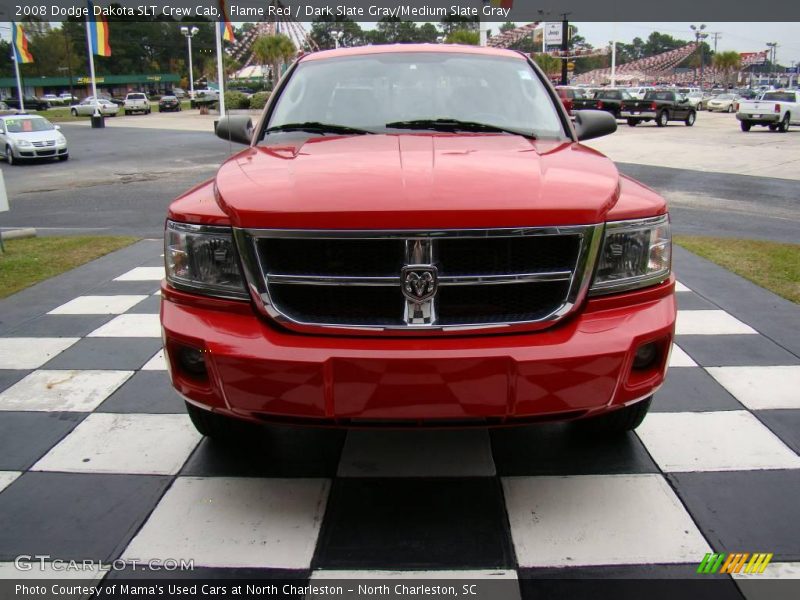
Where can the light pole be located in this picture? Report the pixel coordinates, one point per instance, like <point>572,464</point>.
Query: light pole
<point>699,36</point>
<point>337,37</point>
<point>190,32</point>
<point>773,51</point>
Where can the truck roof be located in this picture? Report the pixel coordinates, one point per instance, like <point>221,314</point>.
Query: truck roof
<point>396,48</point>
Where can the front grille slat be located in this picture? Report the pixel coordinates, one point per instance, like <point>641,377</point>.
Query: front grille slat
<point>483,278</point>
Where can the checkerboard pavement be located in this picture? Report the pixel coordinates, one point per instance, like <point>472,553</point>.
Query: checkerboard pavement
<point>98,460</point>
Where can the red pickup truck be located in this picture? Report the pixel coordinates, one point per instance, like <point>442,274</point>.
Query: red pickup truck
<point>415,236</point>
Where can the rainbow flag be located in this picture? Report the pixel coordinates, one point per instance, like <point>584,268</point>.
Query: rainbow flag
<point>225,27</point>
<point>20,44</point>
<point>503,3</point>
<point>98,33</point>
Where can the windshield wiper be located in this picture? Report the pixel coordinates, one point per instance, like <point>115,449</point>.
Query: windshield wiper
<point>317,127</point>
<point>454,125</point>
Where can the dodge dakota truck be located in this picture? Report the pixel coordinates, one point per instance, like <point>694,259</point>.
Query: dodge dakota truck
<point>777,110</point>
<point>661,106</point>
<point>414,235</point>
<point>608,99</point>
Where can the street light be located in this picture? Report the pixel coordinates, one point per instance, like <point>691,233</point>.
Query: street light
<point>337,36</point>
<point>699,36</point>
<point>190,32</point>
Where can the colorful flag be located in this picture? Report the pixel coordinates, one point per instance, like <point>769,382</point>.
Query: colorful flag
<point>503,3</point>
<point>225,27</point>
<point>20,43</point>
<point>98,33</point>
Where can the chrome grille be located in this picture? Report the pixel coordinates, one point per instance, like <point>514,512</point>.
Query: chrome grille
<point>428,280</point>
<point>43,144</point>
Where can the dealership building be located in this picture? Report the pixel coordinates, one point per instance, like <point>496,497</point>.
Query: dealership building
<point>114,85</point>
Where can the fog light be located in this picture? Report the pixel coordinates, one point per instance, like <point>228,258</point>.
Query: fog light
<point>645,356</point>
<point>193,361</point>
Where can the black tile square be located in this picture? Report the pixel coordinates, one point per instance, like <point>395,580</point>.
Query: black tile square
<point>785,424</point>
<point>691,301</point>
<point>735,350</point>
<point>415,524</point>
<point>147,392</point>
<point>745,511</point>
<point>106,353</point>
<point>27,436</point>
<point>75,516</point>
<point>62,325</point>
<point>269,451</point>
<point>692,389</point>
<point>560,449</point>
<point>9,377</point>
<point>150,305</point>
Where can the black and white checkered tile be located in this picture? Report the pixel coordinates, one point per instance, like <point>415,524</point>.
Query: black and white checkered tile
<point>99,461</point>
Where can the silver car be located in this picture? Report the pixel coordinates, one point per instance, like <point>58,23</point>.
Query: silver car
<point>86,108</point>
<point>31,136</point>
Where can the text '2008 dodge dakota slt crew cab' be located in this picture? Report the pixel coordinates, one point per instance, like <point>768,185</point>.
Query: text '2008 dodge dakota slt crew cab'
<point>415,236</point>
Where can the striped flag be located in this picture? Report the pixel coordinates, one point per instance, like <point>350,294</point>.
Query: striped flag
<point>20,43</point>
<point>503,3</point>
<point>225,27</point>
<point>98,33</point>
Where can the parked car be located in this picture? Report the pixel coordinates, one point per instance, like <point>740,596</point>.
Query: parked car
<point>169,103</point>
<point>179,93</point>
<point>107,98</point>
<point>31,136</point>
<point>136,102</point>
<point>638,93</point>
<point>607,99</point>
<point>5,110</point>
<point>205,97</point>
<point>696,100</point>
<point>85,108</point>
<point>31,103</point>
<point>660,106</point>
<point>52,99</point>
<point>722,103</point>
<point>292,295</point>
<point>776,110</point>
<point>569,94</point>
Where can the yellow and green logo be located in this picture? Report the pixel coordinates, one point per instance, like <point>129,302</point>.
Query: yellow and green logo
<point>737,562</point>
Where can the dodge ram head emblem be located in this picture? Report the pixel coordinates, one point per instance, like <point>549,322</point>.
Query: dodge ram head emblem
<point>419,282</point>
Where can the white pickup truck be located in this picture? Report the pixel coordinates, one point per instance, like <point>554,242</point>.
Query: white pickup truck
<point>777,109</point>
<point>136,102</point>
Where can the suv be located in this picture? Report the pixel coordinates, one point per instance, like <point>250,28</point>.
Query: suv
<point>414,235</point>
<point>136,102</point>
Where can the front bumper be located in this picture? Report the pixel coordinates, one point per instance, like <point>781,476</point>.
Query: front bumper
<point>625,114</point>
<point>43,152</point>
<point>581,367</point>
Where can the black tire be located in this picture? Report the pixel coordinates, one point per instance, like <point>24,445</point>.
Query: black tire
<point>618,422</point>
<point>10,156</point>
<point>773,127</point>
<point>662,119</point>
<point>127,113</point>
<point>74,112</point>
<point>690,118</point>
<point>63,157</point>
<point>783,126</point>
<point>210,424</point>
<point>745,125</point>
<point>633,122</point>
<point>730,108</point>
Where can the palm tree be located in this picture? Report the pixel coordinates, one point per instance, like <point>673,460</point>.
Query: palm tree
<point>274,50</point>
<point>727,62</point>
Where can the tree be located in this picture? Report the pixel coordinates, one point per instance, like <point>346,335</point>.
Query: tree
<point>451,23</point>
<point>727,62</point>
<point>322,28</point>
<point>427,33</point>
<point>507,26</point>
<point>274,50</point>
<point>549,64</point>
<point>463,36</point>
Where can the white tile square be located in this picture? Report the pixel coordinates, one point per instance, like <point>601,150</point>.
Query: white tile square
<point>157,363</point>
<point>713,441</point>
<point>774,570</point>
<point>761,388</point>
<point>599,520</point>
<point>124,443</point>
<point>31,353</point>
<point>130,325</point>
<point>98,305</point>
<point>679,287</point>
<point>72,391</point>
<point>142,274</point>
<point>235,522</point>
<point>709,322</point>
<point>7,478</point>
<point>679,358</point>
<point>465,453</point>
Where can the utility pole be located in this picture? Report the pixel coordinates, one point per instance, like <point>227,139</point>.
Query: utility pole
<point>69,62</point>
<point>564,46</point>
<point>699,36</point>
<point>773,51</point>
<point>716,35</point>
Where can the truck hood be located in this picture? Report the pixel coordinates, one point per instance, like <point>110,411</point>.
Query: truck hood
<point>416,181</point>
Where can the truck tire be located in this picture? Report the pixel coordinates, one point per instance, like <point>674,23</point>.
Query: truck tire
<point>690,118</point>
<point>618,422</point>
<point>746,126</point>
<point>662,119</point>
<point>783,127</point>
<point>633,122</point>
<point>208,423</point>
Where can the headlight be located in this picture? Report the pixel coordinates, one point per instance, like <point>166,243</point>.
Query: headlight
<point>23,143</point>
<point>634,254</point>
<point>203,259</point>
<point>60,139</point>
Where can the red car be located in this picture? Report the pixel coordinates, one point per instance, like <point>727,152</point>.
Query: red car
<point>414,236</point>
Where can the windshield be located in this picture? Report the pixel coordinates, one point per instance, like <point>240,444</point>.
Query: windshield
<point>136,97</point>
<point>367,92</point>
<point>725,97</point>
<point>659,96</point>
<point>779,96</point>
<point>28,125</point>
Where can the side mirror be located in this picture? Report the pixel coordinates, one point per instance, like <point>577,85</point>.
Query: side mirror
<point>235,128</point>
<point>590,124</point>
